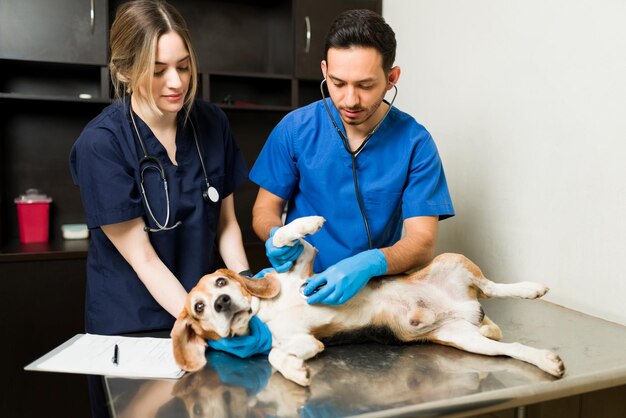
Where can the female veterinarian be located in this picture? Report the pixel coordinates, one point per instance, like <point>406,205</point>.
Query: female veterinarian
<point>157,171</point>
<point>367,167</point>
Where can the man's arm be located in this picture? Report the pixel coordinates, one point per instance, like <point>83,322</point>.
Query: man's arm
<point>341,281</point>
<point>417,246</point>
<point>267,213</point>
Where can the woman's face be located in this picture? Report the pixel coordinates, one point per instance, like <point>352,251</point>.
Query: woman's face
<point>172,73</point>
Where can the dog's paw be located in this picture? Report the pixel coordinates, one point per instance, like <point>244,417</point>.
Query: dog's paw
<point>296,229</point>
<point>552,363</point>
<point>296,370</point>
<point>530,290</point>
<point>491,331</point>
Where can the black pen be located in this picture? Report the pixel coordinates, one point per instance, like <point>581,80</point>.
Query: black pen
<point>116,355</point>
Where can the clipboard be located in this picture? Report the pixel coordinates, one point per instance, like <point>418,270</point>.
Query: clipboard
<point>139,357</point>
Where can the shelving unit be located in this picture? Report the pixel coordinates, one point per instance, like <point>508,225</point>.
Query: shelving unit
<point>249,91</point>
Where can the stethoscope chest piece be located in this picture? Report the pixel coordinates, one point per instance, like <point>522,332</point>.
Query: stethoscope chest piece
<point>211,194</point>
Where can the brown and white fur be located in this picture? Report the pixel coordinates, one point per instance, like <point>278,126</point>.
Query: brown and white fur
<point>438,303</point>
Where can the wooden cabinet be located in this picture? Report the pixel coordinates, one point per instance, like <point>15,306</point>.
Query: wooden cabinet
<point>312,19</point>
<point>244,36</point>
<point>54,31</point>
<point>46,298</point>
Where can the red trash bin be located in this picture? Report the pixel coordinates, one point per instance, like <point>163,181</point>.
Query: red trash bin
<point>33,216</point>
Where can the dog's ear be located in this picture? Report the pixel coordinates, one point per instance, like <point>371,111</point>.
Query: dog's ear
<point>264,288</point>
<point>189,348</point>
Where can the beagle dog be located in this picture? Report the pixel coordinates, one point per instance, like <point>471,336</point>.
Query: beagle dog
<point>438,303</point>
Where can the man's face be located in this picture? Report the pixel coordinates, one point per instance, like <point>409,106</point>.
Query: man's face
<point>357,84</point>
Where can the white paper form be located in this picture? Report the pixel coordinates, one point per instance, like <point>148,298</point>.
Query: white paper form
<point>138,357</point>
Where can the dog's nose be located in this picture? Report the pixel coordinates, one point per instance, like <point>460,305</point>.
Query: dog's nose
<point>222,303</point>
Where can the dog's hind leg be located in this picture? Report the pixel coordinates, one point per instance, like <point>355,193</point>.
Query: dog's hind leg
<point>465,336</point>
<point>520,290</point>
<point>489,289</point>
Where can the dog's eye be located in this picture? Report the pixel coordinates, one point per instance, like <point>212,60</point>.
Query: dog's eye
<point>197,410</point>
<point>221,282</point>
<point>198,307</point>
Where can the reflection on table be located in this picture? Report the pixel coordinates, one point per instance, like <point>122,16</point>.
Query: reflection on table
<point>346,380</point>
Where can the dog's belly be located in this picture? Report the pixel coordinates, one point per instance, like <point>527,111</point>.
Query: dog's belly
<point>389,310</point>
<point>399,309</point>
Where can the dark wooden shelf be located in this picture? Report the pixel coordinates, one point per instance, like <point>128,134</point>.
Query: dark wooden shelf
<point>256,107</point>
<point>243,74</point>
<point>53,250</point>
<point>51,98</point>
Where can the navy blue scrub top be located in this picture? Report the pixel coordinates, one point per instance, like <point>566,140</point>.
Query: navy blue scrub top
<point>104,165</point>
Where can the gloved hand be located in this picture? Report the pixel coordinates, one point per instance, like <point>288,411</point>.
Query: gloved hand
<point>343,280</point>
<point>282,258</point>
<point>259,341</point>
<point>263,272</point>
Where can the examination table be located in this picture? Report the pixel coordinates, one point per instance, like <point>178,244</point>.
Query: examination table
<point>417,380</point>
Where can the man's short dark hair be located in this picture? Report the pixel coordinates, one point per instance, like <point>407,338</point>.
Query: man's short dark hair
<point>365,28</point>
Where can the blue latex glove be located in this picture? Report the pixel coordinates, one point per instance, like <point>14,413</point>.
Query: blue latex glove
<point>282,258</point>
<point>343,280</point>
<point>259,341</point>
<point>251,374</point>
<point>263,272</point>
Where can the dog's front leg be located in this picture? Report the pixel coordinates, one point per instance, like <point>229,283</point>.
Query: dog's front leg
<point>466,336</point>
<point>297,229</point>
<point>288,357</point>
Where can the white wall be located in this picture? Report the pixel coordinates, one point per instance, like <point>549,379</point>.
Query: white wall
<point>526,101</point>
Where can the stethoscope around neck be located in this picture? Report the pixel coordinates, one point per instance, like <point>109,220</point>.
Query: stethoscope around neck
<point>356,152</point>
<point>210,194</point>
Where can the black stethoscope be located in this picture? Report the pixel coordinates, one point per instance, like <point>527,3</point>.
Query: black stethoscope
<point>356,152</point>
<point>210,194</point>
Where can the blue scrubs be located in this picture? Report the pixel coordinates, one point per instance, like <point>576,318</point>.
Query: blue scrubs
<point>399,172</point>
<point>104,165</point>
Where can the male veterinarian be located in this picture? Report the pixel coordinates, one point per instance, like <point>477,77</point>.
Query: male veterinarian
<point>367,167</point>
